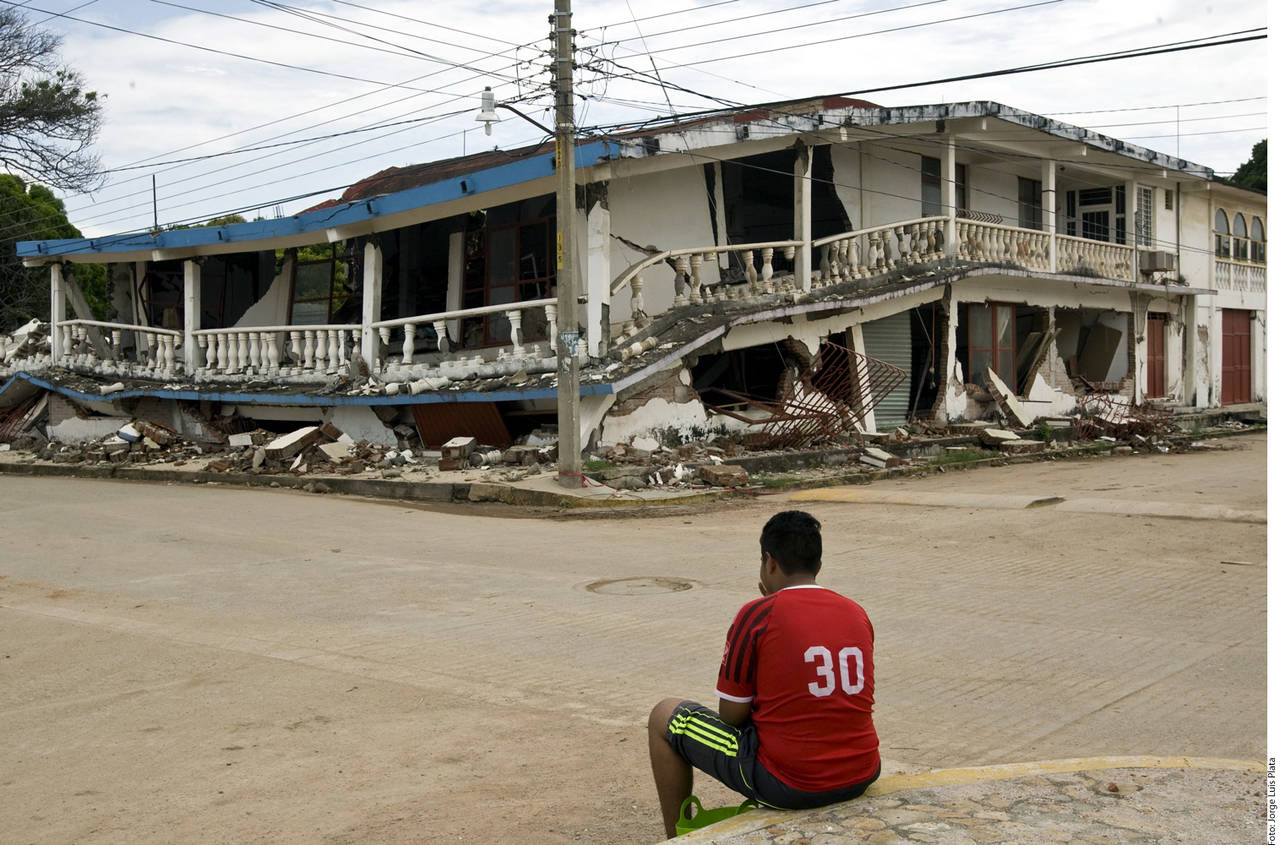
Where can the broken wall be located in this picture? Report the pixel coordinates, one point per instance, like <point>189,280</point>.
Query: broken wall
<point>665,210</point>
<point>663,408</point>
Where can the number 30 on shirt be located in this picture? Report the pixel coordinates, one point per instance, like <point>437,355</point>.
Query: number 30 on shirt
<point>851,683</point>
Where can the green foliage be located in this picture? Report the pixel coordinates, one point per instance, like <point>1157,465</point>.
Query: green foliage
<point>48,121</point>
<point>596,465</point>
<point>33,213</point>
<point>1253,173</point>
<point>1044,432</point>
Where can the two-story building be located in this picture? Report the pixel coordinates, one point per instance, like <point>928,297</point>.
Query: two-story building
<point>739,270</point>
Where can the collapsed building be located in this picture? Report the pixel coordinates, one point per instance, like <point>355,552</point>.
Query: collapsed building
<point>787,272</point>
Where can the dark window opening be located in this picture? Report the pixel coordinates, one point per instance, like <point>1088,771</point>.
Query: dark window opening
<point>510,259</point>
<point>757,371</point>
<point>927,330</point>
<point>231,284</point>
<point>1029,207</point>
<point>962,187</point>
<point>161,290</point>
<point>320,289</point>
<point>930,186</point>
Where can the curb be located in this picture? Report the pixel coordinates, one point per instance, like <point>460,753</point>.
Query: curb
<point>762,818</point>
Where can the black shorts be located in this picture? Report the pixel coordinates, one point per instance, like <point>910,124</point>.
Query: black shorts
<point>728,754</point>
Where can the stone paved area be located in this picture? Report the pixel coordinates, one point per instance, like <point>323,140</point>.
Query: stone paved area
<point>1102,806</point>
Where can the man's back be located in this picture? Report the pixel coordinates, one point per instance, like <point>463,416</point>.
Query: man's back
<point>803,657</point>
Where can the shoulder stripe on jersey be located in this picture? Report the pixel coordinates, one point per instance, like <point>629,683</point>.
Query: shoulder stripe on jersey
<point>753,616</point>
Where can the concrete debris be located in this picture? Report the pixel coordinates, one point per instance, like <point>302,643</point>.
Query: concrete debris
<point>996,436</point>
<point>111,388</point>
<point>288,445</point>
<point>724,475</point>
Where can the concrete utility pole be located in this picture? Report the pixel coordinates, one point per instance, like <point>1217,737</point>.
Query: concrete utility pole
<point>567,398</point>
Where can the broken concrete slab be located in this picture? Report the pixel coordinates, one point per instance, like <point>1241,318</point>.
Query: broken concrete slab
<point>884,458</point>
<point>723,475</point>
<point>336,451</point>
<point>1018,446</point>
<point>996,436</point>
<point>240,441</point>
<point>1008,400</point>
<point>288,445</point>
<point>458,447</point>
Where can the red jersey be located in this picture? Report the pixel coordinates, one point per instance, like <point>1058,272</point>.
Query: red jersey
<point>803,658</point>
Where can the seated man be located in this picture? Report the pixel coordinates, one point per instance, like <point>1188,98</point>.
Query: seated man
<point>796,686</point>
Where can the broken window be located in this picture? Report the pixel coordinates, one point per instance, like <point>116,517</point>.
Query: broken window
<point>1094,344</point>
<point>161,294</point>
<point>511,259</point>
<point>230,284</point>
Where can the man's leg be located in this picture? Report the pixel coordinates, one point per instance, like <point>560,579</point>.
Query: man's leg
<point>671,774</point>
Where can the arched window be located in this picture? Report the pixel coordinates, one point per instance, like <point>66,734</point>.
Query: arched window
<point>1258,242</point>
<point>1240,238</point>
<point>1221,235</point>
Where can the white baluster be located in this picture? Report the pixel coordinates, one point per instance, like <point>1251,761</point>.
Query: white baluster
<point>242,351</point>
<point>766,269</point>
<point>273,353</point>
<point>385,334</point>
<point>206,355</point>
<point>308,349</point>
<point>679,285</point>
<point>114,351</point>
<point>552,328</point>
<point>255,353</point>
<point>749,264</point>
<point>639,318</point>
<point>407,349</point>
<point>513,319</point>
<point>168,343</point>
<point>695,278</point>
<point>442,335</point>
<point>295,350</point>
<point>320,351</point>
<point>335,350</point>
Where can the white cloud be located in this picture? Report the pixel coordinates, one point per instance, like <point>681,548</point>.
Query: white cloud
<point>163,97</point>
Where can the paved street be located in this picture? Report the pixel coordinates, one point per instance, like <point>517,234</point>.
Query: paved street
<point>205,664</point>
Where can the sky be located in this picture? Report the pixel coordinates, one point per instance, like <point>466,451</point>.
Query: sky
<point>266,107</point>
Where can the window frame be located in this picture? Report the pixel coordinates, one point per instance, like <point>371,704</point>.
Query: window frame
<point>995,349</point>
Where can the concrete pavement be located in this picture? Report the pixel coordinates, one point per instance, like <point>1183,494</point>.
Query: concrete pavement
<point>1095,801</point>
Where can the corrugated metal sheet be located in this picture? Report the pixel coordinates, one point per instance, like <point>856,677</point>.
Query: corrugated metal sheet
<point>889,339</point>
<point>438,423</point>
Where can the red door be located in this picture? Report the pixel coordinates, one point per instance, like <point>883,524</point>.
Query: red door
<point>1155,355</point>
<point>1236,337</point>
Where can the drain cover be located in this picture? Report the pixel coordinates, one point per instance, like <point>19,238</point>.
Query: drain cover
<point>644,585</point>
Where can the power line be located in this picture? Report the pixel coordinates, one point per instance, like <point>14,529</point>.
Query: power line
<point>200,47</point>
<point>833,40</point>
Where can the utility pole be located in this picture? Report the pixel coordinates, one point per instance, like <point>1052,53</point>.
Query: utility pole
<point>567,397</point>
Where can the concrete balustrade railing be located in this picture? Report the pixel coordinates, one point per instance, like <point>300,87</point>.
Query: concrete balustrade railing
<point>142,351</point>
<point>1238,276</point>
<point>690,286</point>
<point>274,350</point>
<point>865,253</point>
<point>1085,256</point>
<point>995,243</point>
<point>401,334</point>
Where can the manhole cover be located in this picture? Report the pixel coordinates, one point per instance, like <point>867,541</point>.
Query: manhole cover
<point>640,586</point>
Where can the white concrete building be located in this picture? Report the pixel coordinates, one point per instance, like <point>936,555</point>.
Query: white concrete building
<point>953,242</point>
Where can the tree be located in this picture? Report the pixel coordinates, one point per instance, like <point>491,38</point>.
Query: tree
<point>33,213</point>
<point>1253,173</point>
<point>48,122</point>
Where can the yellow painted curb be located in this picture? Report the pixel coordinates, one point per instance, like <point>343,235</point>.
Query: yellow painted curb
<point>757,819</point>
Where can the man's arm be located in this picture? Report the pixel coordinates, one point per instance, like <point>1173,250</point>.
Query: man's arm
<point>734,712</point>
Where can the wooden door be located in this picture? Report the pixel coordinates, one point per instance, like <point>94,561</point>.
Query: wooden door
<point>1155,356</point>
<point>1236,344</point>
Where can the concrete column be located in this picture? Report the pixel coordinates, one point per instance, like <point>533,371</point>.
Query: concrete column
<point>190,314</point>
<point>802,228</point>
<point>1258,357</point>
<point>57,311</point>
<point>598,277</point>
<point>1131,219</point>
<point>1049,208</point>
<point>859,345</point>
<point>371,311</point>
<point>952,405</point>
<point>949,193</point>
<point>1139,304</point>
<point>453,291</point>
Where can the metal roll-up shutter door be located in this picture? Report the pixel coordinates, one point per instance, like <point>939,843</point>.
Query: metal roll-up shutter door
<point>889,339</point>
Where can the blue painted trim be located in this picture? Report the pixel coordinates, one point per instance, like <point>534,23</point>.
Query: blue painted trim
<point>305,400</point>
<point>422,196</point>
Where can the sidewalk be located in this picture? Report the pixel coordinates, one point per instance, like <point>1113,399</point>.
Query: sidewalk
<point>1099,800</point>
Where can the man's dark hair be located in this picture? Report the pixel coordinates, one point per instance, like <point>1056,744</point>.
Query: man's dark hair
<point>794,538</point>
